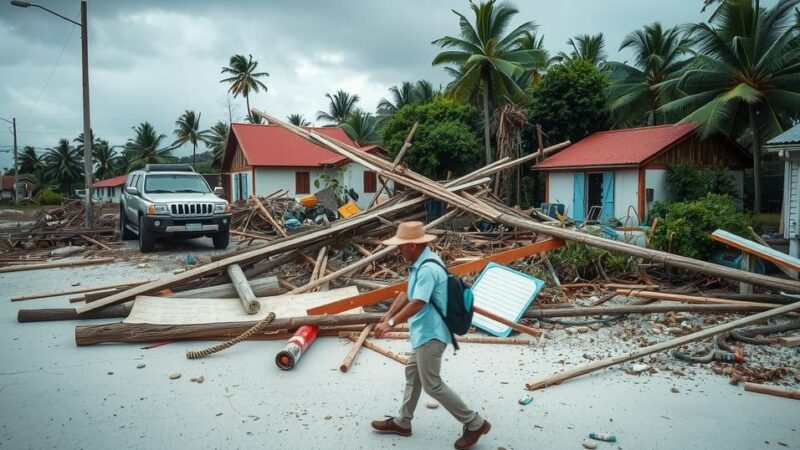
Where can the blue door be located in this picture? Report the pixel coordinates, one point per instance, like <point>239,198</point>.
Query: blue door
<point>607,197</point>
<point>245,186</point>
<point>579,196</point>
<point>236,183</point>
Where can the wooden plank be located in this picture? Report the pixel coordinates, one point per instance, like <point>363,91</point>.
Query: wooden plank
<point>377,295</point>
<point>754,248</point>
<point>243,289</point>
<point>515,326</point>
<point>688,298</point>
<point>772,390</point>
<point>351,355</point>
<point>97,243</point>
<point>55,265</point>
<point>474,339</point>
<point>761,241</point>
<point>790,341</point>
<point>77,290</point>
<point>264,213</point>
<point>638,353</point>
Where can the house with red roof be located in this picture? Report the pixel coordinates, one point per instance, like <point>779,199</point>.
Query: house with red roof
<point>618,174</point>
<point>26,188</point>
<point>262,159</point>
<point>108,190</point>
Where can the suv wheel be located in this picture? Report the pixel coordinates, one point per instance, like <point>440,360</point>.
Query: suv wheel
<point>124,233</point>
<point>146,240</point>
<point>221,240</point>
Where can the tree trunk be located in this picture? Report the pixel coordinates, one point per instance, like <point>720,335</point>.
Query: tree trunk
<point>194,156</point>
<point>249,114</point>
<point>756,161</point>
<point>486,140</point>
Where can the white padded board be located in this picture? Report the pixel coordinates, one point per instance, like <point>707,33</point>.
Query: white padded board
<point>504,292</point>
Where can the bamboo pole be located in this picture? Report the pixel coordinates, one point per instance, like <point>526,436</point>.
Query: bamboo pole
<point>382,350</point>
<point>772,390</point>
<point>466,339</point>
<point>591,311</point>
<point>397,159</point>
<point>78,290</point>
<point>638,353</point>
<point>55,265</point>
<point>687,298</point>
<point>351,355</point>
<point>97,243</point>
<point>515,326</point>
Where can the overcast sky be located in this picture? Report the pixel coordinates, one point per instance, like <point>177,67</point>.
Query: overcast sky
<point>151,60</point>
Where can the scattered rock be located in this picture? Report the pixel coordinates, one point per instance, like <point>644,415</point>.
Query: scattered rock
<point>141,365</point>
<point>797,377</point>
<point>674,390</point>
<point>200,379</point>
<point>596,326</point>
<point>588,356</point>
<point>638,368</point>
<point>570,330</point>
<point>589,444</point>
<point>193,379</point>
<point>174,375</point>
<point>582,329</point>
<point>111,373</point>
<point>328,417</point>
<point>432,404</point>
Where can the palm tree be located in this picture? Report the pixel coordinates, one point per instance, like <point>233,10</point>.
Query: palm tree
<point>586,47</point>
<point>145,147</point>
<point>218,140</point>
<point>188,130</point>
<point>639,90</point>
<point>361,127</point>
<point>486,60</point>
<point>29,161</point>
<point>298,120</point>
<point>401,96</point>
<point>244,77</point>
<point>340,106</point>
<point>105,159</point>
<point>531,40</point>
<point>424,91</point>
<point>64,166</point>
<point>745,76</point>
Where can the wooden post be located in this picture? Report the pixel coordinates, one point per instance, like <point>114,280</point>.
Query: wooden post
<point>382,350</point>
<point>689,338</point>
<point>687,298</point>
<point>78,290</point>
<point>748,264</point>
<point>246,295</point>
<point>351,355</point>
<point>397,159</point>
<point>772,390</point>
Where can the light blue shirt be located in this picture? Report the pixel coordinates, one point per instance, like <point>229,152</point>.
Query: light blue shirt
<point>428,283</point>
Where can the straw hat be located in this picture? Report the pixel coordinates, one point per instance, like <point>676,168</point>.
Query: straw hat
<point>410,233</point>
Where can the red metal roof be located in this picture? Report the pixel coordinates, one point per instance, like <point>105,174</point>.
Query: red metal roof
<point>628,147</point>
<point>274,146</point>
<point>7,182</point>
<point>116,181</point>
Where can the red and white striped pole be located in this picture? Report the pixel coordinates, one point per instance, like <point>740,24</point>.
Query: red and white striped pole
<point>297,345</point>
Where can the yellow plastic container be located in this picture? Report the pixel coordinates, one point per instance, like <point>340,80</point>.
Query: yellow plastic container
<point>348,209</point>
<point>308,201</point>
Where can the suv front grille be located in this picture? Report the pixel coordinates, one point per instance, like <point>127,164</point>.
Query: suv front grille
<point>191,209</point>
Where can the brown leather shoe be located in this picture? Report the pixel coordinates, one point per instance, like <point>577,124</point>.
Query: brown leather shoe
<point>470,438</point>
<point>389,426</point>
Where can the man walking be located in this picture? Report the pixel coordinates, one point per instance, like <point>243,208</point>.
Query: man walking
<point>427,289</point>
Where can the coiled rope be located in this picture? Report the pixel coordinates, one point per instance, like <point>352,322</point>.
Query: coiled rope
<point>197,354</point>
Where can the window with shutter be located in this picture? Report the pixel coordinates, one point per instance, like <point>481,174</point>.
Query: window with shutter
<point>370,181</point>
<point>302,183</point>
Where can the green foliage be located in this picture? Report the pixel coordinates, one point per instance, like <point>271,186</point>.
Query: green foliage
<point>570,101</point>
<point>581,260</point>
<point>446,138</point>
<point>64,166</point>
<point>688,225</point>
<point>341,106</point>
<point>243,77</point>
<point>332,181</point>
<point>686,183</point>
<point>49,197</point>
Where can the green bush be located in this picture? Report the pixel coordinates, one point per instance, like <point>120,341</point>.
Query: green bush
<point>581,260</point>
<point>689,225</point>
<point>687,183</point>
<point>50,197</point>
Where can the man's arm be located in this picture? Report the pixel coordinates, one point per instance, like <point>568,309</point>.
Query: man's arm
<point>411,307</point>
<point>397,305</point>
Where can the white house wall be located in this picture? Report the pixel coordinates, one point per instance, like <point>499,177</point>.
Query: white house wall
<point>626,194</point>
<point>561,185</point>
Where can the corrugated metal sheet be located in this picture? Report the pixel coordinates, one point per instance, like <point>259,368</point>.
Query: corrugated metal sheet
<point>790,136</point>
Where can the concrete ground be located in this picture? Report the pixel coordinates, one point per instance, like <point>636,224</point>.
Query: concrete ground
<point>56,395</point>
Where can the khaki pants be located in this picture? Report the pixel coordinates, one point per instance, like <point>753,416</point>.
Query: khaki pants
<point>422,372</point>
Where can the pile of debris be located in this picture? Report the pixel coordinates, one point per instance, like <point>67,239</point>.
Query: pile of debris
<point>328,273</point>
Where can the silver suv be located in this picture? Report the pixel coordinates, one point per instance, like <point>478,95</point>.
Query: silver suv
<point>172,200</point>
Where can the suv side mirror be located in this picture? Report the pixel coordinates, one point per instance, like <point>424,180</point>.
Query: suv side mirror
<point>132,190</point>
<point>218,191</point>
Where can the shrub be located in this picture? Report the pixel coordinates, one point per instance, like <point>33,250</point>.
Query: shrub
<point>689,225</point>
<point>581,260</point>
<point>49,197</point>
<point>687,183</point>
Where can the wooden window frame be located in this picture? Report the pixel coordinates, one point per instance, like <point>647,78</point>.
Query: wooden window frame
<point>302,182</point>
<point>370,182</point>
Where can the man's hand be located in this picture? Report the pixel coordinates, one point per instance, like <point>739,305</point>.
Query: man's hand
<point>381,329</point>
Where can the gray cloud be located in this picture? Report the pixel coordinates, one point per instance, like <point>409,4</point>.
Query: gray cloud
<point>151,60</point>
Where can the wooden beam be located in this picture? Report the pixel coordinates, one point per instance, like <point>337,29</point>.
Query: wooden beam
<point>760,240</point>
<point>55,265</point>
<point>264,213</point>
<point>772,390</point>
<point>243,289</point>
<point>638,353</point>
<point>473,339</point>
<point>78,290</point>
<point>97,243</point>
<point>382,350</point>
<point>756,249</point>
<point>377,295</point>
<point>688,298</point>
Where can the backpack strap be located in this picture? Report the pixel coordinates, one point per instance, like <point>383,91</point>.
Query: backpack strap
<point>438,310</point>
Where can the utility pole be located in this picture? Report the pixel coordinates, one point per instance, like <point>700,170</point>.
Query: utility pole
<point>87,128</point>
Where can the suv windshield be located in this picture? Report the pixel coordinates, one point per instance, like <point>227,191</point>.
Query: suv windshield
<point>155,184</point>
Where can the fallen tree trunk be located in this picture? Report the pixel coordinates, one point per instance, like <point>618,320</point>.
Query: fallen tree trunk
<point>689,338</point>
<point>54,314</point>
<point>127,332</point>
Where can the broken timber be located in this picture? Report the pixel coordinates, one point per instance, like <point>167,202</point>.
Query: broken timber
<point>54,265</point>
<point>432,189</point>
<point>243,289</point>
<point>689,338</point>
